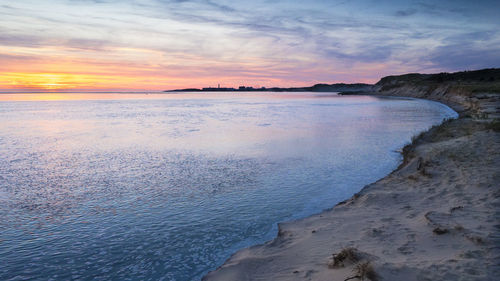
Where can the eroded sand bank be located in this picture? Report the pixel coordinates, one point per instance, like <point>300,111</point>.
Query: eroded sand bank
<point>435,218</point>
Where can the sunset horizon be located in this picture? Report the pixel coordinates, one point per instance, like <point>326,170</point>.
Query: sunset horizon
<point>163,45</point>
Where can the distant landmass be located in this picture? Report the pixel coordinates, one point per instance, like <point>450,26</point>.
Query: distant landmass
<point>339,87</point>
<point>421,85</point>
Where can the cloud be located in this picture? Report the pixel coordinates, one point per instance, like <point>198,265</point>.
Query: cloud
<point>20,40</point>
<point>368,54</point>
<point>6,58</point>
<point>465,56</point>
<point>406,13</point>
<point>36,41</point>
<point>292,40</point>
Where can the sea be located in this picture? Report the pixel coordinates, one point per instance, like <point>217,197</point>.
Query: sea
<point>166,186</point>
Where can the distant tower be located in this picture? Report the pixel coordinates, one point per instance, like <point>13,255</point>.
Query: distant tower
<point>218,86</point>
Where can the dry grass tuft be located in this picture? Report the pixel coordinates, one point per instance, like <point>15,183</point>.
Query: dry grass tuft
<point>494,125</point>
<point>475,239</point>
<point>440,231</point>
<point>365,271</point>
<point>347,255</point>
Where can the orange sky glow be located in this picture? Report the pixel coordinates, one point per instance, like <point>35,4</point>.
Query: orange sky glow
<point>60,70</point>
<point>162,45</point>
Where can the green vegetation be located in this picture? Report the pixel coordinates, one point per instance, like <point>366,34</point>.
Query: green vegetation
<point>490,75</point>
<point>478,87</point>
<point>479,81</point>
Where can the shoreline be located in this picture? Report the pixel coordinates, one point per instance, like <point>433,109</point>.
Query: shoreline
<point>420,222</point>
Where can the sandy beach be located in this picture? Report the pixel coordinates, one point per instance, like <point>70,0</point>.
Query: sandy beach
<point>435,218</point>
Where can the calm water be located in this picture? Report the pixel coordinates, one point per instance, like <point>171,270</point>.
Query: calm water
<point>167,186</point>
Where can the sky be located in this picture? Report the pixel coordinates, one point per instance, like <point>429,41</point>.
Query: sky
<point>112,45</point>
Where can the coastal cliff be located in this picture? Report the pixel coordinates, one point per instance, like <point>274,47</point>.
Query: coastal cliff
<point>434,218</point>
<point>475,93</point>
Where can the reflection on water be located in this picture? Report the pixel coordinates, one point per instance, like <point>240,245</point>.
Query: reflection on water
<point>127,187</point>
